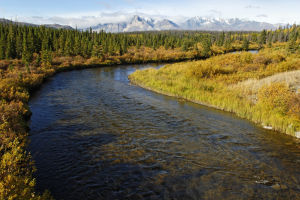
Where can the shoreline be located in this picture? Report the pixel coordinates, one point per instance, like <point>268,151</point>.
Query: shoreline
<point>259,124</point>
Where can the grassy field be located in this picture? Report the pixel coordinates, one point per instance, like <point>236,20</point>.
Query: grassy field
<point>263,87</point>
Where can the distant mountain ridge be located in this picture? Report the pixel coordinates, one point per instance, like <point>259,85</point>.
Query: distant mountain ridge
<point>138,23</point>
<point>56,26</point>
<point>234,24</point>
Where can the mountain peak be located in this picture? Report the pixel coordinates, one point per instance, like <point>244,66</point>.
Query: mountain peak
<point>136,18</point>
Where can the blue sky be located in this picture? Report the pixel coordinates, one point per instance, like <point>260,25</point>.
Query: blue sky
<point>91,11</point>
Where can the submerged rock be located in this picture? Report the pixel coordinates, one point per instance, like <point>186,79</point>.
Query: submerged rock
<point>279,187</point>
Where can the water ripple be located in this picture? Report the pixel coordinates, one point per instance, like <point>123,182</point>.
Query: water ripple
<point>95,136</point>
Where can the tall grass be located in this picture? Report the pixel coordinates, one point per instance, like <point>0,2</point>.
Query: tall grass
<point>254,86</point>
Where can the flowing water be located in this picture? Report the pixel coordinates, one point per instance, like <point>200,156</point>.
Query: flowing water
<point>95,136</point>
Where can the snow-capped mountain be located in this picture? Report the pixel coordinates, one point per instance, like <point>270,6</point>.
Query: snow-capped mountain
<point>212,24</point>
<point>110,27</point>
<point>165,24</point>
<point>138,23</point>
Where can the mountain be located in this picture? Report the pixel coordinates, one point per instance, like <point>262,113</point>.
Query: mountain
<point>2,20</point>
<point>138,23</point>
<point>110,27</point>
<point>212,24</point>
<point>56,26</point>
<point>165,25</point>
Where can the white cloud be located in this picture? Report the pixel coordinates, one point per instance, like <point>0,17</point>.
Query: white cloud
<point>252,7</point>
<point>262,16</point>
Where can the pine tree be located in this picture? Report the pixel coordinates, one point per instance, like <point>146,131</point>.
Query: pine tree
<point>46,58</point>
<point>185,46</point>
<point>2,46</point>
<point>68,46</point>
<point>263,38</point>
<point>77,45</point>
<point>19,45</point>
<point>30,43</point>
<point>124,46</point>
<point>61,49</point>
<point>10,48</point>
<point>138,44</point>
<point>292,45</point>
<point>245,45</point>
<point>97,51</point>
<point>206,44</point>
<point>26,54</point>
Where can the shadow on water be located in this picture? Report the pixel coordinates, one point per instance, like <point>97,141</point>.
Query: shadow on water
<point>95,136</point>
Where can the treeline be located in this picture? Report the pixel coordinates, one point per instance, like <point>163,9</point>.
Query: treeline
<point>27,43</point>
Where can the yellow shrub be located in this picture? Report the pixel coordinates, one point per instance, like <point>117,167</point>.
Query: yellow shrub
<point>275,96</point>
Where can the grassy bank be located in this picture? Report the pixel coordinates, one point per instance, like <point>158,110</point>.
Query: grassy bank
<point>254,86</point>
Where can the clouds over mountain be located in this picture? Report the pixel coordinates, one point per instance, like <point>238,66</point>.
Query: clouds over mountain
<point>138,23</point>
<point>84,20</point>
<point>129,22</point>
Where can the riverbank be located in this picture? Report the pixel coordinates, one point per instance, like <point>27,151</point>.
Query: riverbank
<point>218,82</point>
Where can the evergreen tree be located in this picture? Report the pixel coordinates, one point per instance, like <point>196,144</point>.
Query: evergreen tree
<point>77,45</point>
<point>206,44</point>
<point>2,46</point>
<point>245,45</point>
<point>26,54</point>
<point>68,46</point>
<point>292,45</point>
<point>97,51</point>
<point>263,38</point>
<point>10,47</point>
<point>19,45</point>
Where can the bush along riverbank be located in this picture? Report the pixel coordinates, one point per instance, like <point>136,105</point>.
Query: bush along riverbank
<point>258,87</point>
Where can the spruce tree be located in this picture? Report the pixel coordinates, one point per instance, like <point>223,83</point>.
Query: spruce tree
<point>245,45</point>
<point>263,38</point>
<point>2,46</point>
<point>26,55</point>
<point>10,48</point>
<point>206,44</point>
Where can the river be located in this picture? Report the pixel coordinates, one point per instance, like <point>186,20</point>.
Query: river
<point>96,136</point>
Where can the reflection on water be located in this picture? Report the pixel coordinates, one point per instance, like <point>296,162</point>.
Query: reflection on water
<point>95,136</point>
<point>250,51</point>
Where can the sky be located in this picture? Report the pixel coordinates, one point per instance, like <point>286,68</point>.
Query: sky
<point>91,12</point>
